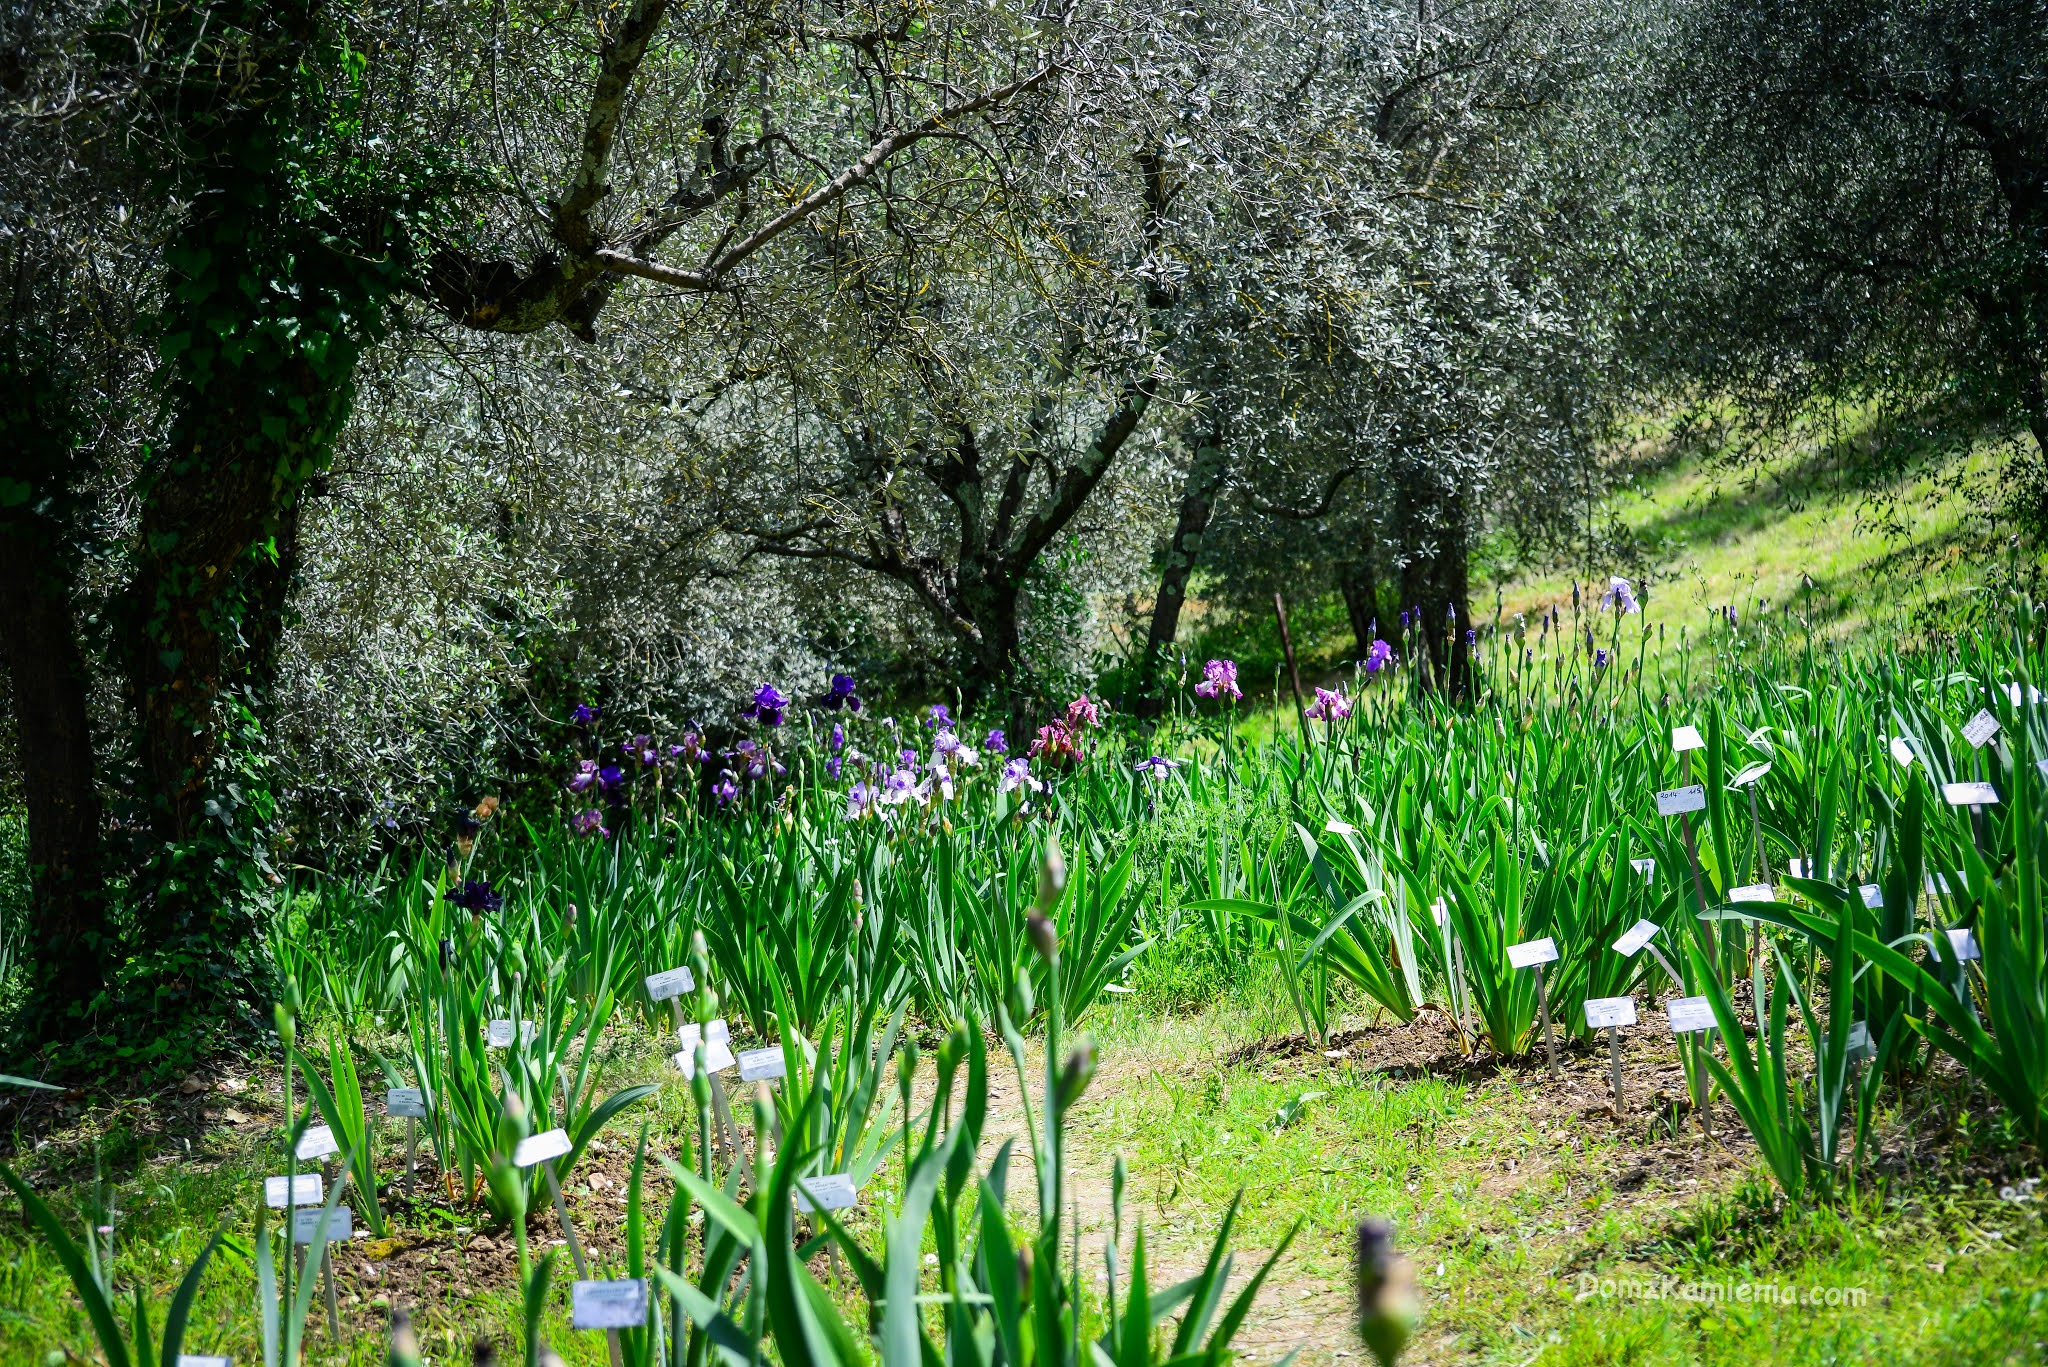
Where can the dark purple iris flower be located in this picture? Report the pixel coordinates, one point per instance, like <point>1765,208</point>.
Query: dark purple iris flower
<point>832,768</point>
<point>841,694</point>
<point>838,736</point>
<point>994,743</point>
<point>585,775</point>
<point>611,778</point>
<point>1471,636</point>
<point>584,714</point>
<point>1378,656</point>
<point>1404,619</point>
<point>474,896</point>
<point>727,788</point>
<point>642,750</point>
<point>769,705</point>
<point>1600,658</point>
<point>939,717</point>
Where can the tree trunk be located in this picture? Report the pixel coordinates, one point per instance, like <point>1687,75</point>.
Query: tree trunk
<point>66,949</point>
<point>1206,474</point>
<point>1361,590</point>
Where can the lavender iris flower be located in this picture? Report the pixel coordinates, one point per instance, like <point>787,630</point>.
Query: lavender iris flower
<point>832,768</point>
<point>1219,679</point>
<point>642,751</point>
<point>901,787</point>
<point>590,822</point>
<point>1017,774</point>
<point>585,775</point>
<point>1619,596</point>
<point>727,788</point>
<point>939,718</point>
<point>907,759</point>
<point>1157,766</point>
<point>1328,706</point>
<point>994,743</point>
<point>1378,656</point>
<point>838,736</point>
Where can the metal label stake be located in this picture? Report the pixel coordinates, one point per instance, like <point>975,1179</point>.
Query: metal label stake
<point>1534,954</point>
<point>1549,1040</point>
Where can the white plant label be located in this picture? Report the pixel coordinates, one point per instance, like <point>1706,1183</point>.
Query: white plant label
<point>1964,943</point>
<point>2041,767</point>
<point>1440,910</point>
<point>620,1304</point>
<point>1684,738</point>
<point>1336,827</point>
<point>1980,728</point>
<point>307,1227</point>
<point>1902,752</point>
<point>1645,866</point>
<point>2012,690</point>
<point>540,1148</point>
<point>1673,801</point>
<point>405,1101</point>
<point>1969,794</point>
<point>1753,892</point>
<point>833,1191</point>
<point>498,1033</point>
<point>1860,1047</point>
<point>316,1142</point>
<point>1602,1012</point>
<point>717,1032</point>
<point>758,1065</point>
<point>306,1189</point>
<point>1637,935</point>
<point>204,1360</point>
<point>1688,1014</point>
<point>1937,883</point>
<point>675,982</point>
<point>1530,953</point>
<point>1873,896</point>
<point>1798,869</point>
<point>717,1058</point>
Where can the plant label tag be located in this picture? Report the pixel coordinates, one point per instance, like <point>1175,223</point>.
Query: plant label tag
<point>1902,753</point>
<point>2032,695</point>
<point>1798,869</point>
<point>1688,1014</point>
<point>1645,866</point>
<point>2041,767</point>
<point>1673,801</point>
<point>1969,794</point>
<point>1860,1047</point>
<point>1964,943</point>
<point>717,1057</point>
<point>1873,896</point>
<point>1684,738</point>
<point>758,1065</point>
<point>1439,909</point>
<point>717,1032</point>
<point>1530,953</point>
<point>675,982</point>
<point>1753,892</point>
<point>1336,827</point>
<point>1980,728</point>
<point>1602,1012</point>
<point>1637,935</point>
<point>309,1228</point>
<point>306,1189</point>
<point>1117,989</point>
<point>540,1148</point>
<point>620,1304</point>
<point>1937,883</point>
<point>316,1142</point>
<point>833,1191</point>
<point>204,1360</point>
<point>498,1033</point>
<point>405,1101</point>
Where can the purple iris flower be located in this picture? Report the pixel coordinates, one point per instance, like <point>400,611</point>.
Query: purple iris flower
<point>1219,680</point>
<point>838,736</point>
<point>1157,766</point>
<point>475,896</point>
<point>590,823</point>
<point>1017,774</point>
<point>994,743</point>
<point>1600,658</point>
<point>727,788</point>
<point>1471,636</point>
<point>832,768</point>
<point>583,714</point>
<point>1378,656</point>
<point>1328,706</point>
<point>1620,596</point>
<point>642,751</point>
<point>769,704</point>
<point>611,778</point>
<point>860,800</point>
<point>939,717</point>
<point>900,787</point>
<point>1404,619</point>
<point>841,694</point>
<point>908,759</point>
<point>585,775</point>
